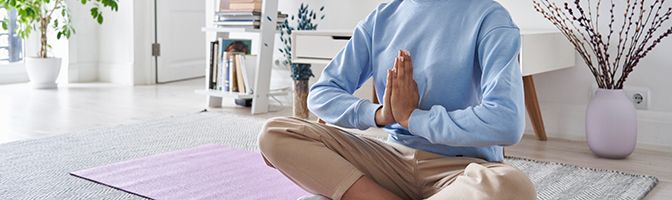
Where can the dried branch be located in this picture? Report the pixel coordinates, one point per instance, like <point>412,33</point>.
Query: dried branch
<point>644,27</point>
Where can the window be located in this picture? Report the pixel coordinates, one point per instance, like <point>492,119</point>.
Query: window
<point>12,69</point>
<point>11,49</point>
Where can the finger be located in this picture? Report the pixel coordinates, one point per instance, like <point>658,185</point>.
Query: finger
<point>401,71</point>
<point>397,67</point>
<point>388,86</point>
<point>395,79</point>
<point>408,64</point>
<point>388,89</point>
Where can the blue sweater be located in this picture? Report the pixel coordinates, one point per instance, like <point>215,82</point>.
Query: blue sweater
<point>465,63</point>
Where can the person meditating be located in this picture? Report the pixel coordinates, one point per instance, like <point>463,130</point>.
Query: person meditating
<point>448,77</point>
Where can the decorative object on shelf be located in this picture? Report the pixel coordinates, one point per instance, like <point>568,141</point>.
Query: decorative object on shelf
<point>41,16</point>
<point>244,14</point>
<point>306,19</point>
<point>611,121</point>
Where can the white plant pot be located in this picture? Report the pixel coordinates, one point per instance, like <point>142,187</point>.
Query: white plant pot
<point>43,72</point>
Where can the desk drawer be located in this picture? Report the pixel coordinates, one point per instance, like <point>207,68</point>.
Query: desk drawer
<point>318,46</point>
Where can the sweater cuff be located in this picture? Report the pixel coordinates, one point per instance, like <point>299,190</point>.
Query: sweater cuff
<point>417,122</point>
<point>367,115</point>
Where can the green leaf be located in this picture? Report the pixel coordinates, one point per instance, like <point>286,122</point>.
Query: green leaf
<point>94,12</point>
<point>83,2</point>
<point>100,19</point>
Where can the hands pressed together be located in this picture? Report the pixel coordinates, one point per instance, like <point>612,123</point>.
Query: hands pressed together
<point>401,93</point>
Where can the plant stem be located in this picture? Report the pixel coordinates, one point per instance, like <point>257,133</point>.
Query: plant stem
<point>44,24</point>
<point>44,27</point>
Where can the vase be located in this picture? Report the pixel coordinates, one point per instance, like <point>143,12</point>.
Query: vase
<point>43,72</point>
<point>301,99</point>
<point>611,124</point>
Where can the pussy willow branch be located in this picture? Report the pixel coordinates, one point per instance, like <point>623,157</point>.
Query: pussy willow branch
<point>644,26</point>
<point>560,19</point>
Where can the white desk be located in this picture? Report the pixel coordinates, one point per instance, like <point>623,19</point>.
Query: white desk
<point>541,51</point>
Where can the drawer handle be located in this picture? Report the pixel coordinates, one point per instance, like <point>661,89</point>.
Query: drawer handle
<point>341,37</point>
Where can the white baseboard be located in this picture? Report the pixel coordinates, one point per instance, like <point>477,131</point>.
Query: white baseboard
<point>117,73</point>
<point>568,122</point>
<point>83,72</point>
<point>13,73</point>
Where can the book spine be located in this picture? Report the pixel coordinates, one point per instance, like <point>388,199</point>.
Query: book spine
<point>217,65</point>
<point>212,78</point>
<point>245,6</point>
<point>232,76</point>
<point>226,73</point>
<point>244,1</point>
<point>222,65</point>
<point>239,74</point>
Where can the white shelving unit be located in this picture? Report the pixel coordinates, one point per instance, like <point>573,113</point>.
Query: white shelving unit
<point>266,38</point>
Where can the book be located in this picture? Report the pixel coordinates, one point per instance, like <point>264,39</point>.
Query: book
<point>213,72</point>
<point>237,45</point>
<point>228,71</point>
<point>233,81</point>
<point>238,13</point>
<point>223,18</point>
<point>237,23</point>
<point>224,4</point>
<point>217,69</point>
<point>239,73</point>
<point>223,81</point>
<point>245,6</point>
<point>248,66</point>
<point>245,1</point>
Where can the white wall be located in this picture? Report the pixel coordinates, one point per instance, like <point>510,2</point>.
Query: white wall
<point>143,36</point>
<point>115,45</point>
<point>343,14</point>
<point>116,51</point>
<point>82,46</point>
<point>564,94</point>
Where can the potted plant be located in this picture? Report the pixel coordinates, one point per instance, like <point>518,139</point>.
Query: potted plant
<point>305,19</point>
<point>46,16</point>
<point>611,50</point>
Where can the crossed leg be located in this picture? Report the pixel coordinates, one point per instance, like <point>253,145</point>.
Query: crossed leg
<point>332,162</point>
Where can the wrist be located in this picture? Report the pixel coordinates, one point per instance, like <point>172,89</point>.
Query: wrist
<point>404,121</point>
<point>378,117</point>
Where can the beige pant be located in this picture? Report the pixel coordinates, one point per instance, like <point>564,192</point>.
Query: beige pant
<point>327,160</point>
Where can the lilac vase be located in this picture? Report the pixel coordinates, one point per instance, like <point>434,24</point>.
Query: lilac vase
<point>611,124</point>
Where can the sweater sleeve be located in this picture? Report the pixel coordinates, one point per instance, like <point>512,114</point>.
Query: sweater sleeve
<point>331,97</point>
<point>499,117</point>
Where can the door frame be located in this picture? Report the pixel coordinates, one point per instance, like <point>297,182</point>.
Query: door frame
<point>155,40</point>
<point>144,71</point>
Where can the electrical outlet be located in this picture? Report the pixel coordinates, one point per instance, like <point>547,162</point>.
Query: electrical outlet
<point>640,97</point>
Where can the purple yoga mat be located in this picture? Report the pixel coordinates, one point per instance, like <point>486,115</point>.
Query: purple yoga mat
<point>204,172</point>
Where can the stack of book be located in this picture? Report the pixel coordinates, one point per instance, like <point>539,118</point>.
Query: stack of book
<point>231,66</point>
<point>241,14</point>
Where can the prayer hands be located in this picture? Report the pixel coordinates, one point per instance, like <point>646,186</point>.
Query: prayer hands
<point>401,93</point>
<point>385,116</point>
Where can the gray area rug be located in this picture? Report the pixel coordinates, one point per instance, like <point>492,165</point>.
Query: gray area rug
<point>38,169</point>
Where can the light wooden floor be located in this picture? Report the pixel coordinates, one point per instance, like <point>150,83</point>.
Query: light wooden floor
<point>642,161</point>
<point>30,114</point>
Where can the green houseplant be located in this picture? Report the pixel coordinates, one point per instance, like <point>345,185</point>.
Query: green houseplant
<point>611,49</point>
<point>48,17</point>
<point>305,19</point>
